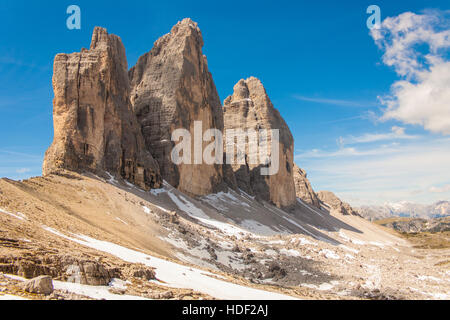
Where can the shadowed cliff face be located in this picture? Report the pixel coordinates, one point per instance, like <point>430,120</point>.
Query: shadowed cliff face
<point>303,187</point>
<point>94,127</point>
<point>250,108</point>
<point>171,88</point>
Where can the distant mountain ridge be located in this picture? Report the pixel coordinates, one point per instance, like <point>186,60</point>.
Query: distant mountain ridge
<point>406,209</point>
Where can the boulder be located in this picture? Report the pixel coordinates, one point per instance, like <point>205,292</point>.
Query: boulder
<point>39,285</point>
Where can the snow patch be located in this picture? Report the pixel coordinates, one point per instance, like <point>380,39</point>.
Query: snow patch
<point>18,215</point>
<point>302,241</point>
<point>290,252</point>
<point>429,278</point>
<point>157,192</point>
<point>351,240</point>
<point>322,287</point>
<point>147,210</point>
<point>178,276</point>
<point>94,292</point>
<point>120,220</point>
<point>349,249</point>
<point>329,254</point>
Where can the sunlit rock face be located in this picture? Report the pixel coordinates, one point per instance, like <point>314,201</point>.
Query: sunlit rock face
<point>172,88</point>
<point>303,188</point>
<point>336,204</point>
<point>249,108</point>
<point>94,126</point>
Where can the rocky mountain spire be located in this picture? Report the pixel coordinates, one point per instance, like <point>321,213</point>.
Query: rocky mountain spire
<point>171,88</point>
<point>250,108</point>
<point>94,126</point>
<point>303,187</point>
<point>336,205</point>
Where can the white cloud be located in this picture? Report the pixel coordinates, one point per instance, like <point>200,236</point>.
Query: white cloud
<point>422,96</point>
<point>397,133</point>
<point>344,152</point>
<point>443,189</point>
<point>383,173</point>
<point>23,170</point>
<point>337,102</point>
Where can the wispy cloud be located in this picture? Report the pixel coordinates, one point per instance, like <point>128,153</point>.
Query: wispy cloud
<point>442,189</point>
<point>19,165</point>
<point>382,173</point>
<point>345,152</point>
<point>337,102</point>
<point>397,133</point>
<point>343,119</point>
<point>21,154</point>
<point>8,60</point>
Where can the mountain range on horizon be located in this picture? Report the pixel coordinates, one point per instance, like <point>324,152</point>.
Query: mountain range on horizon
<point>405,209</point>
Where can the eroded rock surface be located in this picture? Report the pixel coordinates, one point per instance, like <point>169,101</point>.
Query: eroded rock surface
<point>94,126</point>
<point>303,188</point>
<point>171,89</point>
<point>250,108</point>
<point>40,285</point>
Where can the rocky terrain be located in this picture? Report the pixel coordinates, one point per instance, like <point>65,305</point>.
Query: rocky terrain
<point>321,199</point>
<point>114,218</point>
<point>415,225</point>
<point>107,239</point>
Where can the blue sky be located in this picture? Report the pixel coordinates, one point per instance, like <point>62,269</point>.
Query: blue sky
<point>329,77</point>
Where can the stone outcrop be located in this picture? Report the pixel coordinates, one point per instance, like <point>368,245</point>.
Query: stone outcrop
<point>249,108</point>
<point>61,267</point>
<point>94,126</point>
<point>303,188</point>
<point>336,204</point>
<point>39,285</point>
<point>88,272</point>
<point>171,89</point>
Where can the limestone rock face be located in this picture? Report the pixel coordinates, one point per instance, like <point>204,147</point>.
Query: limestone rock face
<point>88,272</point>
<point>94,126</point>
<point>249,108</point>
<point>40,285</point>
<point>171,89</point>
<point>303,188</point>
<point>336,204</point>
